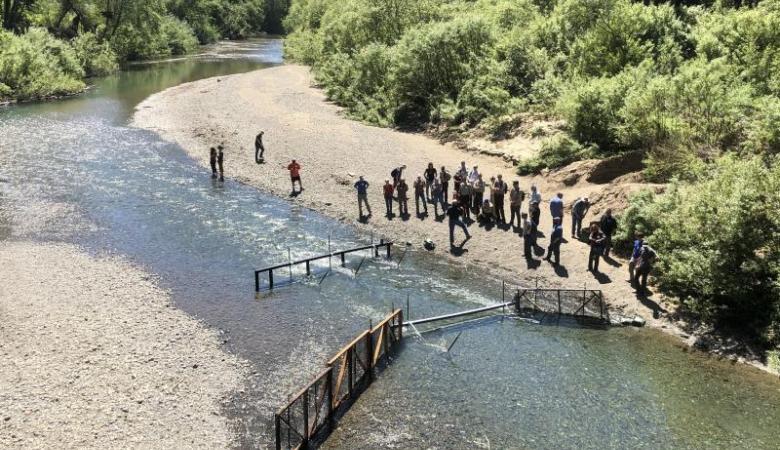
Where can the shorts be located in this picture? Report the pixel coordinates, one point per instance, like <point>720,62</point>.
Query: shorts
<point>298,178</point>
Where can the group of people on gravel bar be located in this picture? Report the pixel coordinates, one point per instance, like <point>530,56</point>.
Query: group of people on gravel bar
<point>471,196</point>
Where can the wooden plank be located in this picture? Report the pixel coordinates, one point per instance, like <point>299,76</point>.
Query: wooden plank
<point>339,380</point>
<point>378,345</point>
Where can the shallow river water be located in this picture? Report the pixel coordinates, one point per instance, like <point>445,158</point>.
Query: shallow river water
<point>74,171</point>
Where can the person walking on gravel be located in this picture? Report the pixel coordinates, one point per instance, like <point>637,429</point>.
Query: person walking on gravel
<point>362,196</point>
<point>556,238</point>
<point>295,175</point>
<point>259,148</point>
<point>499,190</point>
<point>438,199</point>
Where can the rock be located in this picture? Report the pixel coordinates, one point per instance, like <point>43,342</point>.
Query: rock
<point>608,169</point>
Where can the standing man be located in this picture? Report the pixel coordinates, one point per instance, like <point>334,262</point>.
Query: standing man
<point>437,197</point>
<point>596,240</point>
<point>464,199</point>
<point>639,241</point>
<point>430,175</point>
<point>528,237</point>
<point>220,160</point>
<point>453,212</point>
<point>445,177</point>
<point>295,175</point>
<point>556,237</point>
<point>213,161</point>
<point>362,196</point>
<point>499,189</point>
<point>578,212</point>
<point>556,206</point>
<point>397,174</point>
<point>419,195</point>
<point>644,265</point>
<point>608,225</point>
<point>536,196</point>
<point>403,201</point>
<point>535,212</point>
<point>516,197</point>
<point>387,191</point>
<point>479,193</point>
<point>473,176</point>
<point>259,149</point>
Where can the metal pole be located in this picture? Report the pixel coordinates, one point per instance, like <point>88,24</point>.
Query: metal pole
<point>289,261</point>
<point>278,421</point>
<point>257,281</point>
<point>330,259</point>
<point>408,309</point>
<point>271,278</point>
<point>305,419</point>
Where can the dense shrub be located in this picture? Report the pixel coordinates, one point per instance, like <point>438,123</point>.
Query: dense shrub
<point>95,56</point>
<point>556,151</point>
<point>36,65</point>
<point>719,244</point>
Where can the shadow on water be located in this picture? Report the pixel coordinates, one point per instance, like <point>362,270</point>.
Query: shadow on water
<point>506,383</point>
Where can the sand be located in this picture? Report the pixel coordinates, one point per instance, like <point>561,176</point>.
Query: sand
<point>299,123</point>
<point>95,356</point>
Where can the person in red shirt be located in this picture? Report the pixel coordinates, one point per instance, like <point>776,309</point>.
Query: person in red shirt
<point>295,175</point>
<point>388,194</point>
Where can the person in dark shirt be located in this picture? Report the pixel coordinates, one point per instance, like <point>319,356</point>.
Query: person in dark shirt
<point>556,238</point>
<point>578,212</point>
<point>362,195</point>
<point>419,195</point>
<point>259,148</point>
<point>213,162</point>
<point>397,174</point>
<point>499,189</point>
<point>403,200</point>
<point>445,177</point>
<point>430,175</point>
<point>596,239</point>
<point>454,212</point>
<point>608,225</point>
<point>220,160</point>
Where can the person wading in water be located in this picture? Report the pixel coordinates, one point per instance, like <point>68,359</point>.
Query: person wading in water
<point>220,160</point>
<point>259,149</point>
<point>213,162</point>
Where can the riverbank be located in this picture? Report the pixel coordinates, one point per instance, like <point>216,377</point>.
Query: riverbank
<point>300,123</point>
<point>95,356</point>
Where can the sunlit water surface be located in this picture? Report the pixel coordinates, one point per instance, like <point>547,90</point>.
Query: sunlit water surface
<point>74,171</point>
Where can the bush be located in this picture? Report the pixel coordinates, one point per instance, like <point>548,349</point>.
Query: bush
<point>36,65</point>
<point>719,245</point>
<point>96,57</point>
<point>177,36</point>
<point>556,151</point>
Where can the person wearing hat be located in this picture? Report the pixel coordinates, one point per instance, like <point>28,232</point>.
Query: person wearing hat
<point>578,212</point>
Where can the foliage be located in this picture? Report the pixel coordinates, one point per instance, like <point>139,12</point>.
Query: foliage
<point>684,84</point>
<point>36,65</point>
<point>719,244</point>
<point>96,57</point>
<point>102,34</point>
<point>556,151</point>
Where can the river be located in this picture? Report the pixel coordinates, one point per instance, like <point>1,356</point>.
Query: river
<point>74,171</point>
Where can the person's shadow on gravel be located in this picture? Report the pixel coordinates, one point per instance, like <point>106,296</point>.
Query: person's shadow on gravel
<point>532,263</point>
<point>561,271</point>
<point>602,278</point>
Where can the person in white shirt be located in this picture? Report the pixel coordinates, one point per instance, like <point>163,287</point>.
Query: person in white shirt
<point>536,196</point>
<point>473,176</point>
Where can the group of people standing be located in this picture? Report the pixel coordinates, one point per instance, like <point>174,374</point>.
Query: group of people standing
<point>485,201</point>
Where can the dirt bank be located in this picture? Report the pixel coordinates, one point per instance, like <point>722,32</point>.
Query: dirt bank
<point>94,356</point>
<point>299,123</point>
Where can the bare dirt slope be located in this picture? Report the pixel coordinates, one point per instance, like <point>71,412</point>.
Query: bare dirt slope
<point>299,123</point>
<point>94,356</point>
